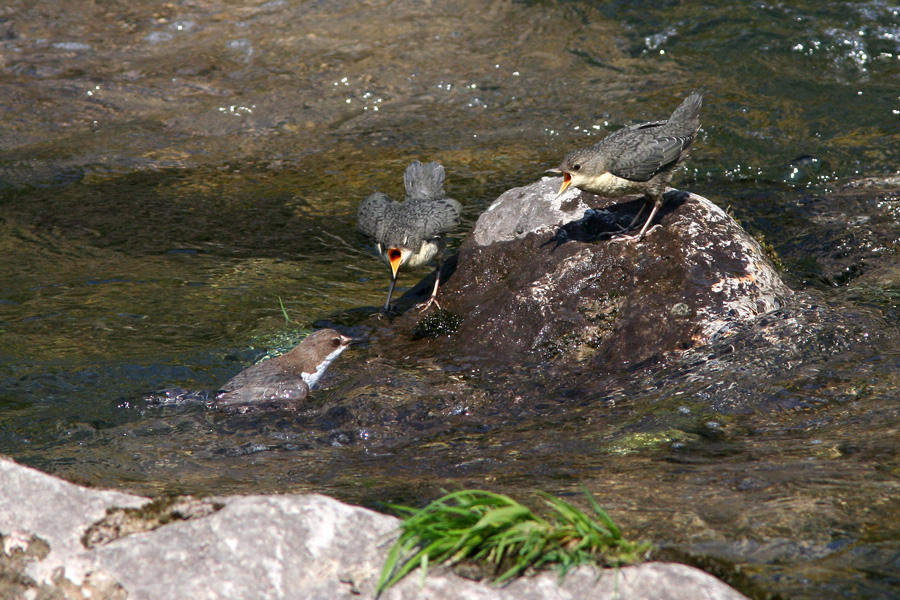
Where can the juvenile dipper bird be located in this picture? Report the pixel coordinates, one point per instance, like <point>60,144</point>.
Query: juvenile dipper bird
<point>412,232</point>
<point>286,378</point>
<point>636,159</point>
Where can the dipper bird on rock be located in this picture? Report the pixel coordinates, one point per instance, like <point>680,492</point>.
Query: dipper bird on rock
<point>637,159</point>
<point>286,378</point>
<point>413,232</point>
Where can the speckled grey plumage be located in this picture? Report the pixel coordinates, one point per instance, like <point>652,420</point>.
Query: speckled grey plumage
<point>638,158</point>
<point>415,227</point>
<point>426,213</point>
<point>643,151</point>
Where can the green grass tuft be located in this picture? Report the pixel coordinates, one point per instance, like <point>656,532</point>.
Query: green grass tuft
<point>283,310</point>
<point>481,526</point>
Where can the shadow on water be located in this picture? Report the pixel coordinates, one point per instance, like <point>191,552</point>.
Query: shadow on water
<point>179,182</point>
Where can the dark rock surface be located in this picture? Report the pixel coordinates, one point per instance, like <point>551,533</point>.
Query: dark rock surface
<point>285,547</point>
<point>540,276</point>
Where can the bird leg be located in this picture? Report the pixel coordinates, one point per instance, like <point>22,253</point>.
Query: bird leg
<point>437,283</point>
<point>657,204</point>
<point>623,230</point>
<point>637,217</point>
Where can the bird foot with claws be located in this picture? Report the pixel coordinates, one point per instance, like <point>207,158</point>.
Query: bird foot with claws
<point>621,237</point>
<point>428,304</point>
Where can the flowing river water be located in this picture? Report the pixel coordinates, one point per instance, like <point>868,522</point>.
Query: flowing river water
<point>171,173</point>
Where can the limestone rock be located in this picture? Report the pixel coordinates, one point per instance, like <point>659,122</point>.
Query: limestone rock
<point>528,209</point>
<point>281,547</point>
<point>58,512</point>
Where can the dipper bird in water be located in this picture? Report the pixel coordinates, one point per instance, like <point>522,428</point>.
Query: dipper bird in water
<point>638,158</point>
<point>412,232</point>
<point>286,378</point>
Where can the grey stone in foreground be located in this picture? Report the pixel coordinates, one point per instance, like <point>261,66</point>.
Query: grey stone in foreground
<point>255,547</point>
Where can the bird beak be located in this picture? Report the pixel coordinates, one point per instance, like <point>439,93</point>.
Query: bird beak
<point>394,257</point>
<point>567,180</point>
<point>346,340</point>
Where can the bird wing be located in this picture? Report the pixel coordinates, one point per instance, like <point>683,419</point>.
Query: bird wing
<point>433,218</point>
<point>372,215</point>
<point>648,154</point>
<point>658,144</point>
<point>262,385</point>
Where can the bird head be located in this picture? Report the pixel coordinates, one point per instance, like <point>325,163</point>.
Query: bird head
<point>578,167</point>
<point>320,349</point>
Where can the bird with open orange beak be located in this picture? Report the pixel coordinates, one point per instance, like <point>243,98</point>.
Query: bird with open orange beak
<point>637,159</point>
<point>413,232</point>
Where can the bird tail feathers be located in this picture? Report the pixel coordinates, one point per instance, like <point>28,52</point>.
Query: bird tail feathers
<point>424,180</point>
<point>685,121</point>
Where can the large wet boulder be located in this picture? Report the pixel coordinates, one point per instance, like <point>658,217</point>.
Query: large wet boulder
<point>64,541</point>
<point>542,275</point>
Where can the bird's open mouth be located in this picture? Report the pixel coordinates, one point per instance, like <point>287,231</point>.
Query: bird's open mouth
<point>567,180</point>
<point>394,257</point>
